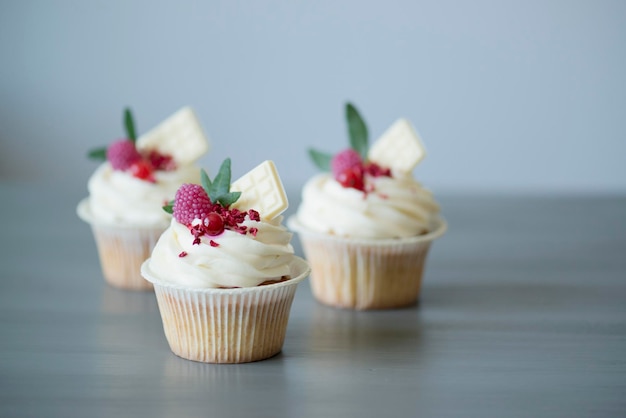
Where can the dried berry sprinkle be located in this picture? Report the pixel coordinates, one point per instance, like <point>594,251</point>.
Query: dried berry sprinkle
<point>375,170</point>
<point>143,170</point>
<point>254,215</point>
<point>163,162</point>
<point>219,219</point>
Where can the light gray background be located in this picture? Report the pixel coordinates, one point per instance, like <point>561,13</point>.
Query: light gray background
<point>509,96</point>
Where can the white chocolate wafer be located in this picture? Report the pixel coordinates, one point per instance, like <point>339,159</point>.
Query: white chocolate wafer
<point>261,190</point>
<point>399,148</point>
<point>180,136</point>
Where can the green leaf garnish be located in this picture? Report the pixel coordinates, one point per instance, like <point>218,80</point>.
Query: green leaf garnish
<point>321,159</point>
<point>357,130</point>
<point>129,124</point>
<point>169,207</point>
<point>228,199</point>
<point>219,189</point>
<point>98,154</point>
<point>221,182</point>
<point>205,181</point>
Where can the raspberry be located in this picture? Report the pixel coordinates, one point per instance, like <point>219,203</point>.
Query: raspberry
<point>122,153</point>
<point>191,202</point>
<point>344,160</point>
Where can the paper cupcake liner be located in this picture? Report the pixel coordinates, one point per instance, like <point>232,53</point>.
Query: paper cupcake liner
<point>122,250</point>
<point>366,274</point>
<point>226,325</point>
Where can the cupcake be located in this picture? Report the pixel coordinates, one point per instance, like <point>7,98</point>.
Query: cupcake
<point>224,271</point>
<point>366,224</point>
<point>126,192</point>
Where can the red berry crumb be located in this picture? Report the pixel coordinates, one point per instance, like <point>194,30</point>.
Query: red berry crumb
<point>122,154</point>
<point>375,170</point>
<point>142,169</point>
<point>352,177</point>
<point>254,215</point>
<point>160,161</point>
<point>344,160</point>
<point>191,202</point>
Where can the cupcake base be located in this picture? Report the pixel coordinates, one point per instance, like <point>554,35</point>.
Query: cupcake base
<point>366,274</point>
<point>122,250</point>
<point>227,325</point>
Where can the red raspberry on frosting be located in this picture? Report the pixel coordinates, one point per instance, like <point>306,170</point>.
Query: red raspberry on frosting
<point>345,160</point>
<point>191,202</point>
<point>122,154</point>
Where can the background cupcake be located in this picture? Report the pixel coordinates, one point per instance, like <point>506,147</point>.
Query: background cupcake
<point>137,176</point>
<point>224,272</point>
<point>366,224</point>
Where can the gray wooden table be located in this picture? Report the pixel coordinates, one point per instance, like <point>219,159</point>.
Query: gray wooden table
<point>523,314</point>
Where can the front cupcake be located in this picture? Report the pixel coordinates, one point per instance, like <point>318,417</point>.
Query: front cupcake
<point>224,272</point>
<point>127,190</point>
<point>366,224</point>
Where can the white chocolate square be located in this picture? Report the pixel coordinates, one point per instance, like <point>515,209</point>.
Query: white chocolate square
<point>180,136</point>
<point>262,190</point>
<point>399,148</point>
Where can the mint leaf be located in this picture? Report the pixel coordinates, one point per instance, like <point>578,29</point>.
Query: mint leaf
<point>169,208</point>
<point>229,198</point>
<point>129,124</point>
<point>321,159</point>
<point>219,189</point>
<point>98,154</point>
<point>221,182</point>
<point>357,131</point>
<point>206,181</point>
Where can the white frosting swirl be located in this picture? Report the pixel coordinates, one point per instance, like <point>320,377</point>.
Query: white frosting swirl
<point>397,207</point>
<point>117,197</point>
<point>238,261</point>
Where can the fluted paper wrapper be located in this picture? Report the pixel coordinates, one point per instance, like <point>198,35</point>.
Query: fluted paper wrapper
<point>122,250</point>
<point>365,273</point>
<point>227,325</point>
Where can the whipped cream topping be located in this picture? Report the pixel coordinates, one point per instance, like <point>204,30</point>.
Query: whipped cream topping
<point>238,260</point>
<point>117,197</point>
<point>396,207</point>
